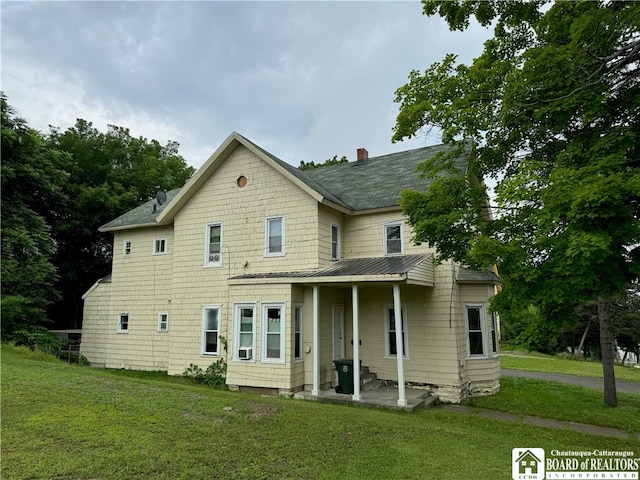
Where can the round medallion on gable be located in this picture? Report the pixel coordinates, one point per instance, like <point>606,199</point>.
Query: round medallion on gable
<point>241,181</point>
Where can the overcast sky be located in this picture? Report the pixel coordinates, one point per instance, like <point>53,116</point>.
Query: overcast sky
<point>304,80</point>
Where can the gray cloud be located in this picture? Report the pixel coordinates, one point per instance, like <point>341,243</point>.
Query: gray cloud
<point>305,80</point>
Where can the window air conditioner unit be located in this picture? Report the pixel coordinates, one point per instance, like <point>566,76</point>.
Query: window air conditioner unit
<point>214,258</point>
<point>245,353</point>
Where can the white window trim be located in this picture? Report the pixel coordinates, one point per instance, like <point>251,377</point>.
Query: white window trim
<point>297,307</point>
<point>160,329</point>
<point>205,308</point>
<point>236,331</point>
<point>263,340</point>
<point>124,247</point>
<point>266,236</point>
<point>207,262</point>
<point>483,329</point>
<point>155,246</point>
<point>339,241</point>
<point>120,329</point>
<point>387,325</point>
<point>399,223</point>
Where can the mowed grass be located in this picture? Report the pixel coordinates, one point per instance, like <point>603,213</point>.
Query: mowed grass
<point>537,362</point>
<point>540,398</point>
<point>68,422</point>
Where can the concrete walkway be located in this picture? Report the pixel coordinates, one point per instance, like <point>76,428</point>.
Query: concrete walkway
<point>541,422</point>
<point>588,382</point>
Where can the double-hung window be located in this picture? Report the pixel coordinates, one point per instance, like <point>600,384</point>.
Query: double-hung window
<point>335,242</point>
<point>494,332</point>
<point>126,248</point>
<point>274,237</point>
<point>297,332</point>
<point>210,330</point>
<point>475,324</point>
<point>244,328</point>
<point>163,321</point>
<point>273,332</point>
<point>123,323</point>
<point>392,238</point>
<point>392,331</point>
<point>160,246</point>
<point>213,245</point>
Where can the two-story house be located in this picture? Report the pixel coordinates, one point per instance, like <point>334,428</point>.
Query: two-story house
<point>286,268</point>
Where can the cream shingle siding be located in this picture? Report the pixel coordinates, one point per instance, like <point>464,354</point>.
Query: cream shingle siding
<point>141,287</point>
<point>180,283</point>
<point>242,215</point>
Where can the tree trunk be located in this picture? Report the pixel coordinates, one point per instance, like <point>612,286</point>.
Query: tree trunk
<point>624,357</point>
<point>606,345</point>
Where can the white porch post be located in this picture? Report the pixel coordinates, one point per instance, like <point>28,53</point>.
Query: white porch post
<point>356,345</point>
<point>316,343</point>
<point>397,310</point>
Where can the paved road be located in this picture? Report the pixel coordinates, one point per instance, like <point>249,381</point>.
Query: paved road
<point>588,382</point>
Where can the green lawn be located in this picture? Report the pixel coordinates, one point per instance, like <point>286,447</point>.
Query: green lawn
<point>69,422</point>
<point>563,402</point>
<point>537,362</point>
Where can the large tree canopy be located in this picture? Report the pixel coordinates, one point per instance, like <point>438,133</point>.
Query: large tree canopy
<point>553,109</point>
<point>31,183</point>
<point>109,173</point>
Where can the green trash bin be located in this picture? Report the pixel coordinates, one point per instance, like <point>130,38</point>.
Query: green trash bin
<point>344,367</point>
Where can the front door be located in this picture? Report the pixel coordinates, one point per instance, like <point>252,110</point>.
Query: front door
<point>338,332</point>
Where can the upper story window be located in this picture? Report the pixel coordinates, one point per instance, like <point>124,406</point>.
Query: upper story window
<point>160,246</point>
<point>126,248</point>
<point>213,245</point>
<point>163,321</point>
<point>392,233</point>
<point>274,236</point>
<point>335,241</point>
<point>123,323</point>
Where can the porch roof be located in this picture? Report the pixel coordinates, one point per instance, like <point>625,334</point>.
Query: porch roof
<point>411,269</point>
<point>487,277</point>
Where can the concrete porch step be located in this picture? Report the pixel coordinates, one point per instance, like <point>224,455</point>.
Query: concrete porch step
<point>372,384</point>
<point>384,397</point>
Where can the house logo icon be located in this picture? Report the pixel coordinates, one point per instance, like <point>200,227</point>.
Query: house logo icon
<point>527,463</point>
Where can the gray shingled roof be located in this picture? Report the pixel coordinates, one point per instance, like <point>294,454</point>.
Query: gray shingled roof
<point>375,183</point>
<point>378,181</point>
<point>300,175</point>
<point>350,267</point>
<point>144,215</point>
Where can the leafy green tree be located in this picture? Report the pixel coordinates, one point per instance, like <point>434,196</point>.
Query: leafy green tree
<point>109,174</point>
<point>332,161</point>
<point>552,106</point>
<point>31,183</point>
<point>627,324</point>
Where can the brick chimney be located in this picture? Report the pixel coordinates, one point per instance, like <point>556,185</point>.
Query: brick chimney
<point>362,155</point>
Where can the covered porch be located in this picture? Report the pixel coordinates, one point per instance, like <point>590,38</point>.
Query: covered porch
<point>387,276</point>
<point>384,397</point>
